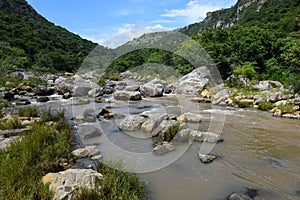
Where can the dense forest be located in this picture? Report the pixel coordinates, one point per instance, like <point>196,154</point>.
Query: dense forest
<point>29,41</point>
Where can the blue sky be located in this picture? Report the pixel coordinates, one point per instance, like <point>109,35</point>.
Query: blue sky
<point>99,20</point>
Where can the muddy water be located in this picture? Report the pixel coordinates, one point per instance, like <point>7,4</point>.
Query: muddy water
<point>259,152</point>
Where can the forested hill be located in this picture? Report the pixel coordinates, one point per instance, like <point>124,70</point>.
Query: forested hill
<point>280,13</point>
<point>29,41</point>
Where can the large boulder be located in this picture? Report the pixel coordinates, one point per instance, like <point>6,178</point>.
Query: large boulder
<point>267,85</point>
<point>127,95</point>
<point>88,131</point>
<point>43,90</point>
<point>194,82</point>
<point>65,184</point>
<point>152,89</point>
<point>80,91</point>
<point>132,123</point>
<point>189,117</point>
<point>154,118</point>
<point>163,148</point>
<point>159,133</point>
<point>86,152</point>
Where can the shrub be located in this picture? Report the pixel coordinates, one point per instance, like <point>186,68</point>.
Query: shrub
<point>28,112</point>
<point>171,132</point>
<point>264,105</point>
<point>243,104</point>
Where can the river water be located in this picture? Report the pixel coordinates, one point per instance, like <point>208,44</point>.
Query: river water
<point>259,152</point>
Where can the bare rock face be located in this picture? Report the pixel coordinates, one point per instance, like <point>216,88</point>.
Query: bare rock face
<point>64,184</point>
<point>194,82</point>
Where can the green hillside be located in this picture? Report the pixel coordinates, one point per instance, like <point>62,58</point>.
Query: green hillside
<point>29,41</point>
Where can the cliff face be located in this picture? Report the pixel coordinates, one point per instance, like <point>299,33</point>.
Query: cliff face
<point>225,18</point>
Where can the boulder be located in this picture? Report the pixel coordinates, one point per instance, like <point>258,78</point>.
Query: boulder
<point>86,152</point>
<point>42,99</point>
<point>22,102</point>
<point>88,131</point>
<point>152,89</point>
<point>200,100</point>
<point>127,95</point>
<point>154,118</point>
<point>221,96</point>
<point>43,90</point>
<point>274,97</point>
<point>189,117</point>
<point>168,90</point>
<point>207,158</point>
<point>132,123</point>
<point>65,184</point>
<point>132,88</point>
<point>297,101</point>
<point>80,91</point>
<point>193,82</point>
<point>206,137</point>
<point>160,131</point>
<point>105,113</point>
<point>88,115</point>
<point>282,102</point>
<point>96,92</point>
<point>163,148</point>
<point>267,85</point>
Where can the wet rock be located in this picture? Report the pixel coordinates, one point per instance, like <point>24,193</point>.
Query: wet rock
<point>88,116</point>
<point>152,89</point>
<point>127,96</point>
<point>22,102</point>
<point>168,90</point>
<point>88,131</point>
<point>193,82</point>
<point>43,90</point>
<point>206,137</point>
<point>160,131</point>
<point>105,113</point>
<point>250,194</point>
<point>207,158</point>
<point>189,117</point>
<point>86,152</point>
<point>132,123</point>
<point>154,118</point>
<point>163,148</point>
<point>65,184</point>
<point>42,99</point>
<point>200,100</point>
<point>9,95</point>
<point>80,91</point>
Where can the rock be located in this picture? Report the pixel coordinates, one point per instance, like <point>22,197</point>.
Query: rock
<point>297,101</point>
<point>163,148</point>
<point>67,95</point>
<point>132,123</point>
<point>9,95</point>
<point>189,117</point>
<point>80,91</point>
<point>65,184</point>
<point>206,94</point>
<point>127,95</point>
<point>267,85</point>
<point>86,152</point>
<point>160,131</point>
<point>221,96</point>
<point>152,89</point>
<point>206,137</point>
<point>43,90</point>
<point>97,157</point>
<point>26,88</point>
<point>274,97</point>
<point>132,88</point>
<point>238,196</point>
<point>22,102</point>
<point>18,75</point>
<point>207,158</point>
<point>154,118</point>
<point>277,113</point>
<point>81,101</point>
<point>193,82</point>
<point>200,100</point>
<point>88,131</point>
<point>282,102</point>
<point>183,135</point>
<point>106,113</point>
<point>89,115</point>
<point>96,92</point>
<point>168,90</point>
<point>42,99</point>
<point>250,101</point>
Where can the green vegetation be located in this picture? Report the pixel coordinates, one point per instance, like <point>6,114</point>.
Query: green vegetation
<point>265,106</point>
<point>3,103</point>
<point>288,108</point>
<point>108,75</point>
<point>12,123</point>
<point>29,41</point>
<point>115,184</point>
<point>243,104</point>
<point>171,132</point>
<point>28,112</point>
<point>25,161</point>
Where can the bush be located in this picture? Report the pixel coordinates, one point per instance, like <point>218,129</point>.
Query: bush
<point>25,161</point>
<point>115,184</point>
<point>265,106</point>
<point>243,104</point>
<point>171,132</point>
<point>28,112</point>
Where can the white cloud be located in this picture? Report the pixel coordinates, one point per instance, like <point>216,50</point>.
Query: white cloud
<point>193,11</point>
<point>130,31</point>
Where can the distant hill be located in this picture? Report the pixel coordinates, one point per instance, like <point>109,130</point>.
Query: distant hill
<point>29,41</point>
<point>248,12</point>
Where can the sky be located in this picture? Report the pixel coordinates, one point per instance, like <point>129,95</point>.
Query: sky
<point>101,20</point>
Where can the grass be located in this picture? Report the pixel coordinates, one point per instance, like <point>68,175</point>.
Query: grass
<point>12,123</point>
<point>265,106</point>
<point>288,108</point>
<point>28,112</point>
<point>3,104</point>
<point>115,185</point>
<point>243,104</point>
<point>171,132</point>
<point>25,161</point>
